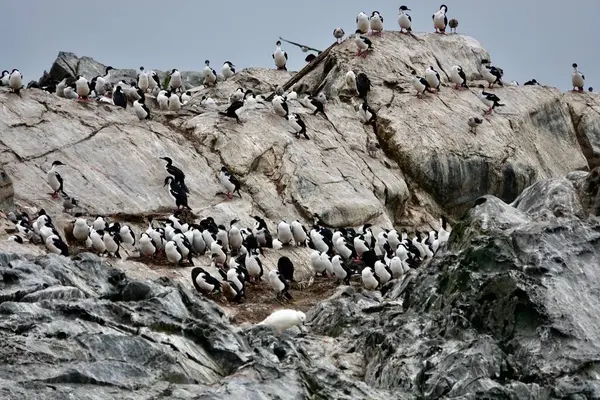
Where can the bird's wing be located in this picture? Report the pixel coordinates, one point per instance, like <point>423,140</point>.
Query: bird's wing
<point>366,40</point>
<point>409,18</point>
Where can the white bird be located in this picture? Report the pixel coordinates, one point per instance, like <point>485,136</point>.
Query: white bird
<point>491,73</point>
<point>299,233</point>
<point>70,93</point>
<point>440,20</point>
<point>362,23</point>
<point>153,80</point>
<point>55,180</point>
<point>147,246</point>
<point>142,80</point>
<point>60,88</point>
<point>208,102</point>
<point>376,23</point>
<point>97,242</point>
<point>458,77</point>
<point>284,233</point>
<point>280,106</point>
<point>172,252</point>
<point>162,100</point>
<point>340,270</point>
<point>281,320</point>
<point>317,264</point>
<point>297,125</point>
<point>210,75</point>
<point>5,78</point>
<point>433,78</point>
<point>55,245</point>
<point>362,43</point>
<point>140,109</point>
<point>186,97</point>
<point>81,229</point>
<point>227,70</point>
<point>404,20</point>
<point>351,81</point>
<point>15,81</point>
<point>419,83</point>
<point>369,280</point>
<point>82,87</point>
<point>176,81</point>
<point>383,272</point>
<point>578,79</point>
<point>489,99</point>
<point>174,102</point>
<point>280,57</point>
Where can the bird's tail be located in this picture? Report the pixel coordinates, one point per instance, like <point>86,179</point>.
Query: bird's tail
<point>500,105</point>
<point>222,113</point>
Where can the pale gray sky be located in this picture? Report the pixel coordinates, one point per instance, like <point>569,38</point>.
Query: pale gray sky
<point>527,38</point>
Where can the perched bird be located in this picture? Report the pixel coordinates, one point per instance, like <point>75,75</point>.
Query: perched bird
<point>297,125</point>
<point>404,20</point>
<point>363,85</point>
<point>419,83</point>
<point>15,81</point>
<point>231,111</point>
<point>153,80</point>
<point>178,174</point>
<point>177,192</point>
<point>433,78</point>
<point>55,245</point>
<point>186,97</point>
<point>280,285</point>
<point>70,204</point>
<point>458,77</point>
<point>147,246</point>
<point>440,20</point>
<point>338,34</point>
<point>489,99</point>
<point>70,92</point>
<point>5,77</point>
<point>173,253</point>
<point>577,78</point>
<point>280,57</point>
<point>140,109</point>
<point>60,88</point>
<point>299,233</point>
<point>227,70</point>
<point>82,87</point>
<point>175,82</point>
<point>362,43</point>
<point>590,89</point>
<point>281,320</point>
<point>491,73</point>
<point>204,282</point>
<point>208,102</point>
<point>453,24</point>
<point>366,114</point>
<point>376,23</point>
<point>55,180</point>
<point>230,183</point>
<point>81,229</point>
<point>280,106</point>
<point>532,82</point>
<point>174,101</point>
<point>163,100</point>
<point>351,81</point>
<point>473,123</point>
<point>340,269</point>
<point>142,80</point>
<point>210,75</point>
<point>369,279</point>
<point>102,80</point>
<point>362,23</point>
<point>119,98</point>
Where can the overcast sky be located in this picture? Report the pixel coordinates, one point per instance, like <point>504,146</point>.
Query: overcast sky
<point>528,39</point>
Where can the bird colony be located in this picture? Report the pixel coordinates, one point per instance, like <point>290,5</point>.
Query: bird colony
<point>373,258</point>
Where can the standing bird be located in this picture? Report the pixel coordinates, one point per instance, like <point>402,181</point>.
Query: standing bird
<point>119,98</point>
<point>338,34</point>
<point>362,23</point>
<point>297,125</point>
<point>174,102</point>
<point>141,111</point>
<point>186,97</point>
<point>473,123</point>
<point>419,83</point>
<point>15,81</point>
<point>404,20</point>
<point>489,99</point>
<point>299,233</point>
<point>175,82</point>
<point>577,78</point>
<point>363,85</point>
<point>153,80</point>
<point>55,180</point>
<point>491,74</point>
<point>82,87</point>
<point>369,279</point>
<point>280,285</point>
<point>228,69</point>
<point>177,173</point>
<point>532,82</point>
<point>178,193</point>
<point>210,75</point>
<point>280,106</point>
<point>142,80</point>
<point>231,111</point>
<point>376,23</point>
<point>433,78</point>
<point>230,183</point>
<point>351,81</point>
<point>440,20</point>
<point>204,282</point>
<point>101,81</point>
<point>280,57</point>
<point>453,24</point>
<point>281,320</point>
<point>458,77</point>
<point>362,43</point>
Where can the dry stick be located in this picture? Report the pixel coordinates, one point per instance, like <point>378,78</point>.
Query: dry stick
<point>304,71</point>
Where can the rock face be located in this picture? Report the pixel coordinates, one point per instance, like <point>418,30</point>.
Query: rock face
<point>507,310</point>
